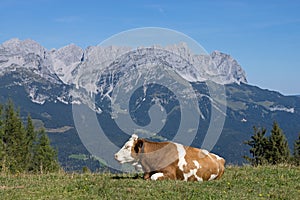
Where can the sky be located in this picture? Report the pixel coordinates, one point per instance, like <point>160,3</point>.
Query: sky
<point>263,36</point>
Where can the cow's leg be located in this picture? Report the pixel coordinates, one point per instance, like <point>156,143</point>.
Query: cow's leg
<point>157,176</point>
<point>147,175</point>
<point>163,176</point>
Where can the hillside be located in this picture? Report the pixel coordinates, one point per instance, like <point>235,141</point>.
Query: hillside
<point>264,182</point>
<point>50,84</point>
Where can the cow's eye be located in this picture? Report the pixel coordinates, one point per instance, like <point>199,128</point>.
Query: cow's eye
<point>127,147</point>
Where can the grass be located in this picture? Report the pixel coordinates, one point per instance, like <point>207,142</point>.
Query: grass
<point>264,182</point>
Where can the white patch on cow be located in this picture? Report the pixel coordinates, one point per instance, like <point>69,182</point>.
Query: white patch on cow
<point>155,176</point>
<point>205,152</point>
<point>197,164</point>
<point>134,137</point>
<point>193,172</point>
<point>218,157</point>
<point>182,162</point>
<point>124,155</point>
<point>199,179</point>
<point>181,155</point>
<point>212,177</point>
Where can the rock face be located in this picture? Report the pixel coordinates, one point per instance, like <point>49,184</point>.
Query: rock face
<point>71,65</point>
<point>228,68</point>
<point>26,55</point>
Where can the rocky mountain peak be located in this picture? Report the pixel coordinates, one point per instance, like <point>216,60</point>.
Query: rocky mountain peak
<point>17,46</point>
<point>72,65</point>
<point>228,66</point>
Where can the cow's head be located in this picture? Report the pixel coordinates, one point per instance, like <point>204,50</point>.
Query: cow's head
<point>129,152</point>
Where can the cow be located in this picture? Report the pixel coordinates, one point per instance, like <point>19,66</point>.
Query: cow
<point>169,160</point>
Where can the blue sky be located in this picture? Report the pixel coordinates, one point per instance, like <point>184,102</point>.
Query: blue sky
<point>264,36</point>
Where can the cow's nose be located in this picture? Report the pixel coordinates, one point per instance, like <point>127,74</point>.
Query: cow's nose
<point>116,156</point>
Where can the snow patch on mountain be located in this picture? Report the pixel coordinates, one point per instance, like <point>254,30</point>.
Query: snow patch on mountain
<point>36,97</point>
<point>282,108</point>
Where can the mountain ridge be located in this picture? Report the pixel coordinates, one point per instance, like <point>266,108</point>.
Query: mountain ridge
<point>66,60</point>
<point>41,82</point>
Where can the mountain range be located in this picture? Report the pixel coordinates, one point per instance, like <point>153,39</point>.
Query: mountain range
<point>48,83</point>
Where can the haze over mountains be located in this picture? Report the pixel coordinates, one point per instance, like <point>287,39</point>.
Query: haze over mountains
<point>41,82</point>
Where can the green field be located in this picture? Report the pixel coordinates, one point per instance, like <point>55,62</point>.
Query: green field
<point>267,182</point>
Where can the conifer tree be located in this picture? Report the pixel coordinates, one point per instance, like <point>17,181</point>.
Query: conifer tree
<point>31,139</point>
<point>1,136</point>
<point>296,152</point>
<point>257,143</point>
<point>45,157</point>
<point>21,150</point>
<point>10,137</point>
<point>21,147</point>
<point>277,149</point>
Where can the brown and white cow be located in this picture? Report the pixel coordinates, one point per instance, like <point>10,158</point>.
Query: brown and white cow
<point>168,160</point>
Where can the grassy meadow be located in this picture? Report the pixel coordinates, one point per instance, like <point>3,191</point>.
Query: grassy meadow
<point>263,182</point>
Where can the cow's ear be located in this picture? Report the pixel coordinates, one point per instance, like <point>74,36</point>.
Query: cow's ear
<point>134,137</point>
<point>138,146</point>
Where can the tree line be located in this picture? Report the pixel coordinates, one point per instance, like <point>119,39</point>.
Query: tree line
<point>22,148</point>
<point>273,149</point>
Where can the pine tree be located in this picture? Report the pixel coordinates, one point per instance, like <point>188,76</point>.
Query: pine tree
<point>15,141</point>
<point>277,150</point>
<point>296,152</point>
<point>31,139</point>
<point>21,149</point>
<point>2,155</point>
<point>257,143</point>
<point>21,153</point>
<point>45,157</point>
<point>10,137</point>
